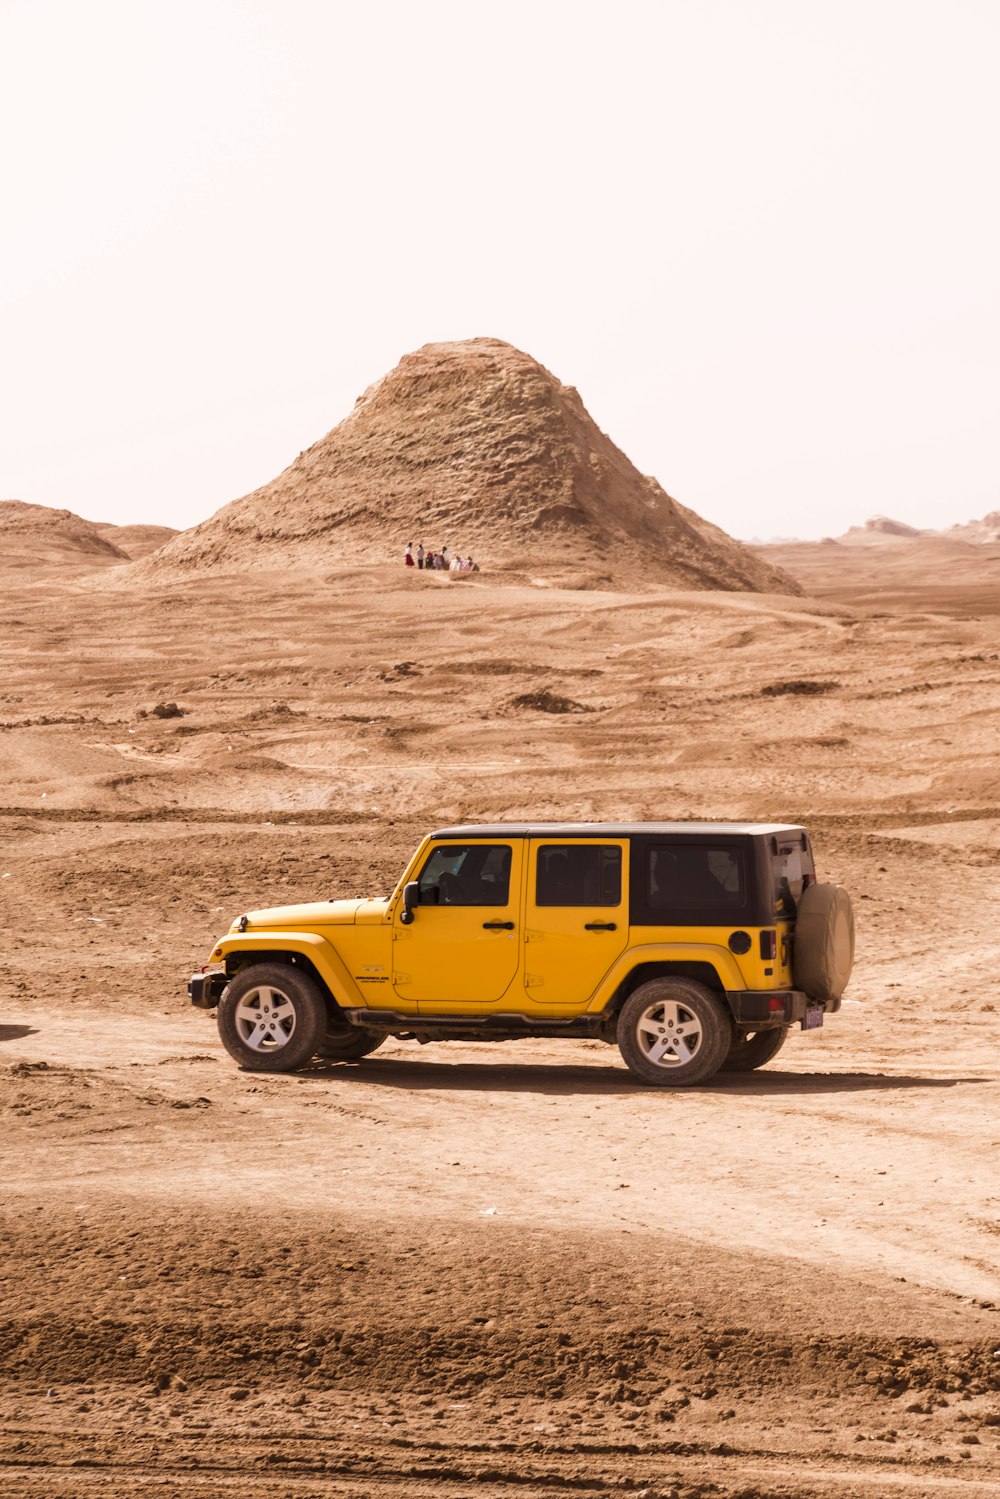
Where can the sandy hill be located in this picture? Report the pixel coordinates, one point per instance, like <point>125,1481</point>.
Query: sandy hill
<point>476,446</point>
<point>136,541</point>
<point>36,537</point>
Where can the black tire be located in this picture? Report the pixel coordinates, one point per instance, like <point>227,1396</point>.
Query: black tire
<point>272,1017</point>
<point>673,1033</point>
<point>748,1052</point>
<point>347,1043</point>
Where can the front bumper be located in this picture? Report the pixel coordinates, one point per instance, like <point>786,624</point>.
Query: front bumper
<point>205,989</point>
<point>773,1006</point>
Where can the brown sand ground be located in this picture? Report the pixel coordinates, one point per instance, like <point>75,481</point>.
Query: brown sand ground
<point>508,1269</point>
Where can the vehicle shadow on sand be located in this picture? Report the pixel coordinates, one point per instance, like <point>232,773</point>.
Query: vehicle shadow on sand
<point>17,1032</point>
<point>513,1077</point>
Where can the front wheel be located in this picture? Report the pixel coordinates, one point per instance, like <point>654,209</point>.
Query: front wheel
<point>673,1033</point>
<point>272,1018</point>
<point>749,1052</point>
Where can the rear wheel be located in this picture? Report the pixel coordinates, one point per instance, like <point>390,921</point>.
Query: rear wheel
<point>272,1017</point>
<point>748,1052</point>
<point>673,1033</point>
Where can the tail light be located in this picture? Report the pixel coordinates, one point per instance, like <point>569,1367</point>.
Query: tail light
<point>769,945</point>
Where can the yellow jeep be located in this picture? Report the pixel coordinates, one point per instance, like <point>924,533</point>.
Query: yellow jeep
<point>693,946</point>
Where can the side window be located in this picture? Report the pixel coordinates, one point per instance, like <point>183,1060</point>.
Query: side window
<point>695,877</point>
<point>792,869</point>
<point>578,874</point>
<point>466,874</point>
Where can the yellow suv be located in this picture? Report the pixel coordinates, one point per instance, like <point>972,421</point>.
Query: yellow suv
<point>693,946</point>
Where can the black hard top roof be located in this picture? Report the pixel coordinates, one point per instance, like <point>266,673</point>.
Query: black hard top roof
<point>614,829</point>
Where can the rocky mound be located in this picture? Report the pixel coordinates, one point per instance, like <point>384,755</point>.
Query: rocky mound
<point>985,532</point>
<point>889,527</point>
<point>477,447</point>
<point>38,537</point>
<point>881,528</point>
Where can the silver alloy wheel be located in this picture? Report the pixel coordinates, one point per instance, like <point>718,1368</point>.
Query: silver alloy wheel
<point>669,1034</point>
<point>265,1019</point>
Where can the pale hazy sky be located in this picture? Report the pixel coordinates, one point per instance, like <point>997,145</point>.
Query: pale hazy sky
<point>761,237</point>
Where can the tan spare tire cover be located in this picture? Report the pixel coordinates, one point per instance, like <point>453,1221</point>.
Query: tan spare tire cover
<point>824,941</point>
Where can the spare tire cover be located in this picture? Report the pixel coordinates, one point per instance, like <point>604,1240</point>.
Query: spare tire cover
<point>823,954</point>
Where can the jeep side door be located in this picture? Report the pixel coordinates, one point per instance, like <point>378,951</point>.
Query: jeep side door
<point>462,948</point>
<point>576,918</point>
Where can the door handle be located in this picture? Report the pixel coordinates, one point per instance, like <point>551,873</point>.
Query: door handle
<point>601,926</point>
<point>498,926</point>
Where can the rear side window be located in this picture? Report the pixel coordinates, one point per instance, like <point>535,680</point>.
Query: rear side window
<point>578,874</point>
<point>695,877</point>
<point>466,874</point>
<point>791,869</point>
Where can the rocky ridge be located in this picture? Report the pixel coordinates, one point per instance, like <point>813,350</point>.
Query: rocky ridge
<point>983,532</point>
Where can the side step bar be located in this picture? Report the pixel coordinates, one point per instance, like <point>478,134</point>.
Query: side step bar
<point>508,1022</point>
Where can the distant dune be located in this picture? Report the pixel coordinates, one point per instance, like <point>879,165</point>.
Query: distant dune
<point>43,539</point>
<point>136,541</point>
<point>883,530</point>
<point>942,569</point>
<point>37,538</point>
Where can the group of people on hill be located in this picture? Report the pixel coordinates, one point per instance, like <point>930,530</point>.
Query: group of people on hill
<point>441,561</point>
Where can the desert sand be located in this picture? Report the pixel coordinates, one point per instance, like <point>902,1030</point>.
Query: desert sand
<point>505,1269</point>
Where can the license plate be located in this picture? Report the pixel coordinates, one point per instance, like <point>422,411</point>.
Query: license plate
<point>814,1018</point>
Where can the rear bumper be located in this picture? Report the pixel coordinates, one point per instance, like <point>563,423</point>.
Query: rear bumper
<point>205,989</point>
<point>772,1006</point>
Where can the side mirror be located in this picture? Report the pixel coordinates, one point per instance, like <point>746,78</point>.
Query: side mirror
<point>411,898</point>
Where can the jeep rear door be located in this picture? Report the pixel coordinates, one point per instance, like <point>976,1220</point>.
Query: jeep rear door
<point>576,919</point>
<point>463,945</point>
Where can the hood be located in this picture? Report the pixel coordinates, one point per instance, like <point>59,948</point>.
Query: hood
<point>318,913</point>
